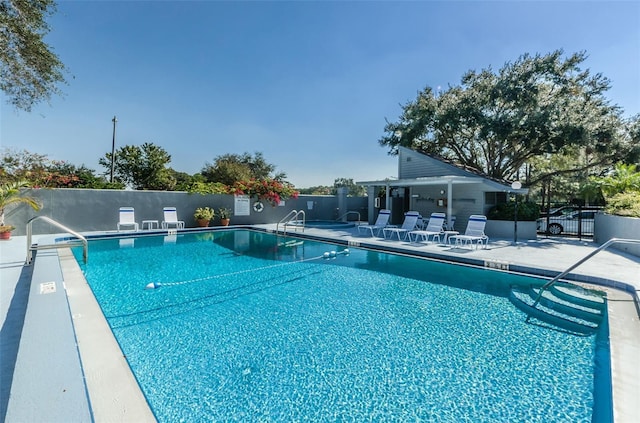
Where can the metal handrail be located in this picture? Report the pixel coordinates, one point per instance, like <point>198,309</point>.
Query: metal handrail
<point>579,262</point>
<point>30,248</point>
<point>347,214</point>
<point>292,215</point>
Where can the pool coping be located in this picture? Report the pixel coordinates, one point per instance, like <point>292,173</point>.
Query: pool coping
<point>113,394</point>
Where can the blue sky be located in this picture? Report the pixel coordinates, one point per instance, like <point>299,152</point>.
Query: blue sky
<point>308,83</point>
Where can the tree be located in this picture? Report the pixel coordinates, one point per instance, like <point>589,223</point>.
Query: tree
<point>66,175</point>
<point>23,165</point>
<point>29,70</point>
<point>354,190</point>
<point>537,106</point>
<point>624,178</point>
<point>40,171</point>
<point>317,190</point>
<point>141,167</point>
<point>231,168</point>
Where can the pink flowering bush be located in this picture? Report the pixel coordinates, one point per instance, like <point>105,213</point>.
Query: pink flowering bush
<point>270,190</point>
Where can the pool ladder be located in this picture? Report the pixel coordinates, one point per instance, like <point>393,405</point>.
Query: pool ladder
<point>80,240</point>
<point>567,307</point>
<point>579,262</point>
<point>292,216</point>
<point>345,215</point>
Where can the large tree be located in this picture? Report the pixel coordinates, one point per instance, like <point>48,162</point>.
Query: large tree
<point>29,70</point>
<point>496,122</point>
<point>141,167</point>
<point>231,168</point>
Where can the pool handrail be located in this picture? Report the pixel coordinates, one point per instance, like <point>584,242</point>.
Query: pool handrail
<point>31,248</point>
<point>293,215</point>
<point>347,214</point>
<point>579,262</point>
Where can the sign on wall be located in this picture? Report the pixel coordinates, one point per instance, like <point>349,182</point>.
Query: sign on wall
<point>242,205</point>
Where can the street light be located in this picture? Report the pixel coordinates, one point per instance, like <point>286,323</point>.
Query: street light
<point>113,148</point>
<point>515,185</point>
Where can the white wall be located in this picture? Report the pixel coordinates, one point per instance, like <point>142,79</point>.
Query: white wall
<point>608,226</point>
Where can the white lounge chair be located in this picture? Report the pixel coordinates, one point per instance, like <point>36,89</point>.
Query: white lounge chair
<point>381,222</point>
<point>409,224</point>
<point>171,218</point>
<point>127,218</point>
<point>474,234</point>
<point>433,229</point>
<point>449,226</point>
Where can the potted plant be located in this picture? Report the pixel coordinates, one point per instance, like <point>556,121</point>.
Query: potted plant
<point>5,231</point>
<point>203,216</point>
<point>10,195</point>
<point>225,216</point>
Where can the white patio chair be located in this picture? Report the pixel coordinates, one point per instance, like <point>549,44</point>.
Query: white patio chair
<point>381,222</point>
<point>171,218</point>
<point>433,229</point>
<point>127,218</point>
<point>409,224</point>
<point>474,234</point>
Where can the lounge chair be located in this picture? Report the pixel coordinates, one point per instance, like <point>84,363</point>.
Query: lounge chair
<point>449,227</point>
<point>127,218</point>
<point>381,222</point>
<point>409,224</point>
<point>474,234</point>
<point>433,229</point>
<point>171,218</point>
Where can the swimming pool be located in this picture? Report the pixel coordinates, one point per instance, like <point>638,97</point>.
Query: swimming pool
<point>249,326</point>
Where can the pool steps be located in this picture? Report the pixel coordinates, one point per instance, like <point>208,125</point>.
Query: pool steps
<point>565,306</point>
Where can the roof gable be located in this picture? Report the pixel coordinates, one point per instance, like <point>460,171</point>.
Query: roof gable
<point>413,164</point>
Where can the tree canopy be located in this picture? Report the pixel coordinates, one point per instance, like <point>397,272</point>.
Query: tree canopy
<point>29,70</point>
<point>41,172</point>
<point>231,168</point>
<point>496,122</point>
<point>141,167</point>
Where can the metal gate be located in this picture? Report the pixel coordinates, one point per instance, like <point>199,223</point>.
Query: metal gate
<point>569,220</point>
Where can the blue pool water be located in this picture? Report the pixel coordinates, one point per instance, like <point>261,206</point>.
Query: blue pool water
<point>247,326</point>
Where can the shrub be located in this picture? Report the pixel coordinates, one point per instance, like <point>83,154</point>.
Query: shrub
<point>624,204</point>
<point>204,213</point>
<point>527,211</point>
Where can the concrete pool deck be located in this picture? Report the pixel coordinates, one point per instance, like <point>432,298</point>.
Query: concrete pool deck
<point>49,384</point>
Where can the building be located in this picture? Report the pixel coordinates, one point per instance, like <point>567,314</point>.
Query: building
<point>428,184</point>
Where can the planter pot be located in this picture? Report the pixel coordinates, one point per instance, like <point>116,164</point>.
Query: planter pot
<point>5,235</point>
<point>224,222</point>
<point>203,223</point>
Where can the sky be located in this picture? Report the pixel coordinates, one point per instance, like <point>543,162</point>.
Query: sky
<point>309,84</point>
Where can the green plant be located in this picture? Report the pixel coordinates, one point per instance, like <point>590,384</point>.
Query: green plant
<point>624,204</point>
<point>270,190</point>
<point>527,211</point>
<point>204,213</point>
<point>6,228</point>
<point>224,213</point>
<point>10,195</point>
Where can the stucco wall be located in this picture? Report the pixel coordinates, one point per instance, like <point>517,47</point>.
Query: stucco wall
<point>608,226</point>
<point>505,229</point>
<point>85,210</point>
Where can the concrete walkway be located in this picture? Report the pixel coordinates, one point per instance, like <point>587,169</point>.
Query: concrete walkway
<point>545,256</point>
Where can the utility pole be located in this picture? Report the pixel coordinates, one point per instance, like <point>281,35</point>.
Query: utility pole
<point>113,148</point>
